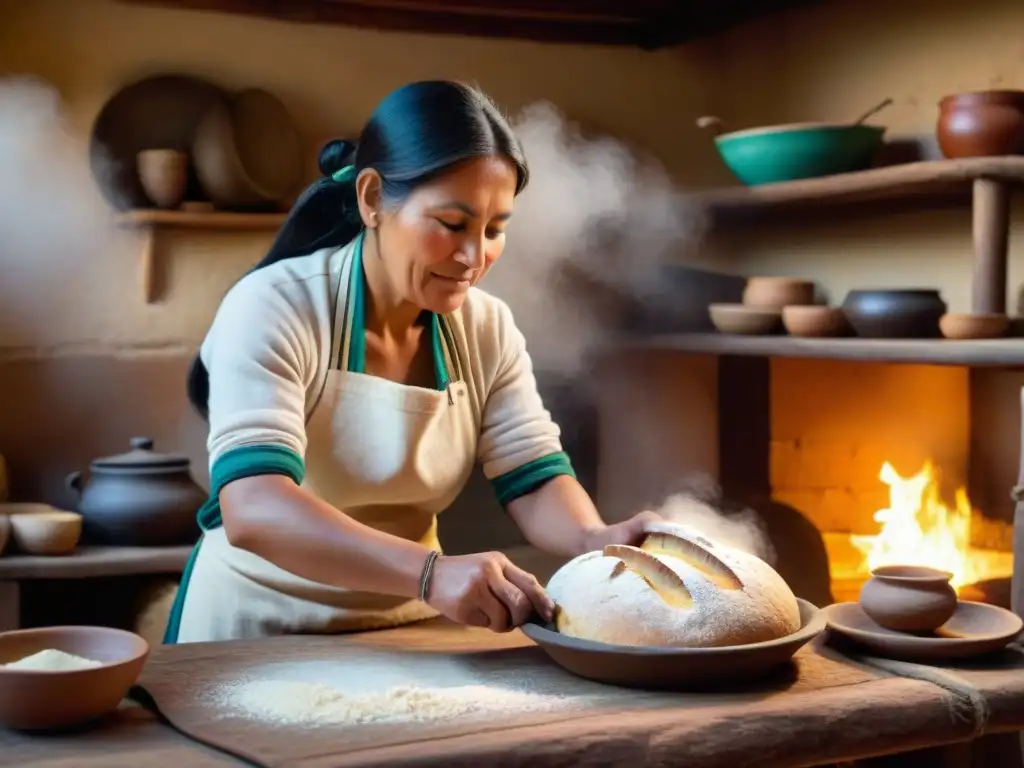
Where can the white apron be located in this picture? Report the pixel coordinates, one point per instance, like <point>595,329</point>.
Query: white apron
<point>389,455</point>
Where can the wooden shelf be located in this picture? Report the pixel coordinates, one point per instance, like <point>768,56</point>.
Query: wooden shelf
<point>93,562</point>
<point>988,353</point>
<point>935,178</point>
<point>149,221</point>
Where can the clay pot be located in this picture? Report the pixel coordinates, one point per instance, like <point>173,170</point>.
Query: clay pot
<point>777,292</point>
<point>895,314</point>
<point>139,499</point>
<point>164,176</point>
<point>908,598</point>
<point>981,124</point>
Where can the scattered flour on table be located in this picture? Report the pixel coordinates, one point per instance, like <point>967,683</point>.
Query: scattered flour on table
<point>52,660</point>
<point>294,703</point>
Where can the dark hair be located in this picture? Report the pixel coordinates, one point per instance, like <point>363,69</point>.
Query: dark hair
<point>415,134</point>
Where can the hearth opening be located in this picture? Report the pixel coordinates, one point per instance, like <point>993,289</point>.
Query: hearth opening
<point>874,464</point>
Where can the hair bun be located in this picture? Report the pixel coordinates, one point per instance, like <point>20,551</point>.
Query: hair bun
<point>335,155</point>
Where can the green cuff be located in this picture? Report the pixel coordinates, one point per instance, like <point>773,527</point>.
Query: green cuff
<point>531,476</point>
<point>247,461</point>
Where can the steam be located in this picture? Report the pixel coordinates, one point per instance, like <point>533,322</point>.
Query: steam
<point>56,234</point>
<point>591,235</point>
<point>741,530</point>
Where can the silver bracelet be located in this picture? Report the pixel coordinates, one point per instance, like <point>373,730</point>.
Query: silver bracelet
<point>428,569</point>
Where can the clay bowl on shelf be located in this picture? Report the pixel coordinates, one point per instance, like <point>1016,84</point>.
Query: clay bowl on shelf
<point>777,292</point>
<point>745,321</point>
<point>39,529</point>
<point>815,322</point>
<point>635,666</point>
<point>33,699</point>
<point>980,124</point>
<point>908,598</point>
<point>895,313</point>
<point>974,326</point>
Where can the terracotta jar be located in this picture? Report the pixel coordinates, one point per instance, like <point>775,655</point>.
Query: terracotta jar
<point>981,124</point>
<point>909,598</point>
<point>777,292</point>
<point>139,499</point>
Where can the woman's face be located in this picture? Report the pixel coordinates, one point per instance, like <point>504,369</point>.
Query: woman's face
<point>444,237</point>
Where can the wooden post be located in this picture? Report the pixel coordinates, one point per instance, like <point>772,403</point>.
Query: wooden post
<point>991,241</point>
<point>10,606</point>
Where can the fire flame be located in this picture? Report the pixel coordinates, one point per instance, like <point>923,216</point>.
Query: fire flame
<point>919,529</point>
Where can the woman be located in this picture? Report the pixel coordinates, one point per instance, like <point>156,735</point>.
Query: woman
<point>352,379</point>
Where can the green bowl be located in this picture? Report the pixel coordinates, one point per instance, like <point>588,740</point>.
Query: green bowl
<point>800,151</point>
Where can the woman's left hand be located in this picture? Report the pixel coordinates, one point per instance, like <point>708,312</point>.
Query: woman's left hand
<point>630,532</point>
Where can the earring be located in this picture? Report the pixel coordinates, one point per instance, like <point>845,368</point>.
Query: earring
<point>373,219</point>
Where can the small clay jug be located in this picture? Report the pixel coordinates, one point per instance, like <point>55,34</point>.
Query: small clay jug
<point>909,598</point>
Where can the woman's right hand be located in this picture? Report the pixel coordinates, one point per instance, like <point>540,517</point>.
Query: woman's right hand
<point>486,590</point>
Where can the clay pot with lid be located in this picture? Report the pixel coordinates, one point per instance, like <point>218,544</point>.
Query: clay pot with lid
<point>139,499</point>
<point>909,598</point>
<point>981,124</point>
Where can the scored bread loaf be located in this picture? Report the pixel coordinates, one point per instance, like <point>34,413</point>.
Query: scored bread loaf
<point>676,589</point>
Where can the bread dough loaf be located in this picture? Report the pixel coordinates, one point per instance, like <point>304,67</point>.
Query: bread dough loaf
<point>677,589</point>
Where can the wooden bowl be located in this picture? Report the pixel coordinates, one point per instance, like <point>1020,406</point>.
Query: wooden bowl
<point>634,666</point>
<point>36,700</point>
<point>44,530</point>
<point>968,326</point>
<point>777,292</point>
<point>815,322</point>
<point>740,319</point>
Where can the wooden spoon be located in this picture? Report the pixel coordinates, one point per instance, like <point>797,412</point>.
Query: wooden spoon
<point>874,110</point>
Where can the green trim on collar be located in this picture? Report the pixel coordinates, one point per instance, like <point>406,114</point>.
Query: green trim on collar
<point>246,461</point>
<point>531,476</point>
<point>441,342</point>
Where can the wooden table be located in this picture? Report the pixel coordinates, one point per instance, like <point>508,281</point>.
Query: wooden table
<point>833,709</point>
<point>84,563</point>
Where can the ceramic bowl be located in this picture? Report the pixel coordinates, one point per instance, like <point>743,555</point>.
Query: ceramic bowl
<point>777,292</point>
<point>970,326</point>
<point>39,529</point>
<point>814,321</point>
<point>908,598</point>
<point>984,123</point>
<point>164,175</point>
<point>37,700</point>
<point>740,319</point>
<point>910,313</point>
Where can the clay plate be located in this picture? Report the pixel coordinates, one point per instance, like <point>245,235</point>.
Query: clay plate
<point>674,668</point>
<point>975,629</point>
<point>35,700</point>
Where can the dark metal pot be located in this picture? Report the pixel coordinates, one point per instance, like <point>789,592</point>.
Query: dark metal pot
<point>895,314</point>
<point>138,499</point>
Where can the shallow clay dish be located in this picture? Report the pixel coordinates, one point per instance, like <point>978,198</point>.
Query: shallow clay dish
<point>674,668</point>
<point>37,700</point>
<point>967,326</point>
<point>815,322</point>
<point>974,630</point>
<point>743,320</point>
